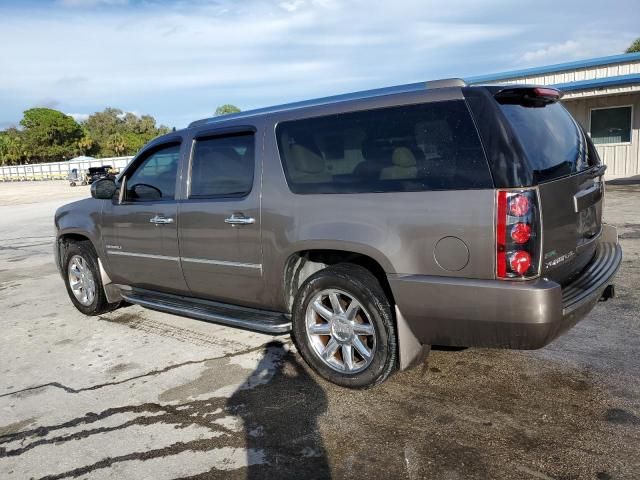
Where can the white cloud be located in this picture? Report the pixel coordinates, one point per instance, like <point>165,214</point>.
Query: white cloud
<point>292,6</point>
<point>91,3</point>
<point>568,49</point>
<point>179,60</point>
<point>79,117</point>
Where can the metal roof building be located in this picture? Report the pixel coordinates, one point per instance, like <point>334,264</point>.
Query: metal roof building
<point>603,94</point>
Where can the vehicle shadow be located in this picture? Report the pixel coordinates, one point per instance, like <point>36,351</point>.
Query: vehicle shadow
<point>280,419</point>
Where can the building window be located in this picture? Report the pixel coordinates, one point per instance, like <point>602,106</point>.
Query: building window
<point>611,125</point>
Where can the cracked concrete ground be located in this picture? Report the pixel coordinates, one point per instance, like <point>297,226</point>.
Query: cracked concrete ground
<point>141,394</point>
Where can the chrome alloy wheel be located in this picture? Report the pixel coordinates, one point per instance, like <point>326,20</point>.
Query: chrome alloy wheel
<point>81,280</point>
<point>340,331</point>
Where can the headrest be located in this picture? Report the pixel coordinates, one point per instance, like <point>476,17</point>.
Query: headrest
<point>304,160</point>
<point>403,157</point>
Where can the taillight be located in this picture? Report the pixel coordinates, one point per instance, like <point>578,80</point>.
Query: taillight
<point>521,232</point>
<point>517,234</point>
<point>520,262</point>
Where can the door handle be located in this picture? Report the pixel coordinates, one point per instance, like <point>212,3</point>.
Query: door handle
<point>160,220</point>
<point>239,219</point>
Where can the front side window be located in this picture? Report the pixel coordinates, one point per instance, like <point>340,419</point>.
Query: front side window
<point>155,177</point>
<point>431,146</point>
<point>611,125</point>
<point>222,166</point>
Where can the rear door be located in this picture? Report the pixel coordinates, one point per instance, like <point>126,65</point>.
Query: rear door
<point>219,229</point>
<point>567,169</point>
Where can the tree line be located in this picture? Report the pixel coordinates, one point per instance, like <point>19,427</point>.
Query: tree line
<point>47,135</point>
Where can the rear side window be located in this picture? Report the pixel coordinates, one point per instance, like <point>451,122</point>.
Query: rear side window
<point>432,146</point>
<point>222,166</point>
<point>552,140</point>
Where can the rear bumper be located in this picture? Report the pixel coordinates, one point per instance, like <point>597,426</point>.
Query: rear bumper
<point>495,313</point>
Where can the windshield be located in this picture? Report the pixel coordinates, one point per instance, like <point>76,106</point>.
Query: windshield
<point>554,143</point>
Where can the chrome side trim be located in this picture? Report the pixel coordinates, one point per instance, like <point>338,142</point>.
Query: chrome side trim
<point>142,255</point>
<point>257,266</point>
<point>222,263</point>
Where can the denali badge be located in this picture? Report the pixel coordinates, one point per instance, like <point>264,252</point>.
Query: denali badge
<point>558,260</point>
<point>114,247</point>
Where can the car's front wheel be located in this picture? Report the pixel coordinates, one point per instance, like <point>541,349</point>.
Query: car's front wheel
<point>82,279</point>
<point>343,326</point>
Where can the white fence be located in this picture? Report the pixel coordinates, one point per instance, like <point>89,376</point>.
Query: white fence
<point>57,170</point>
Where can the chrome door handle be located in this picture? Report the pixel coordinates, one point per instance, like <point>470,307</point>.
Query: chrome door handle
<point>160,220</point>
<point>239,219</point>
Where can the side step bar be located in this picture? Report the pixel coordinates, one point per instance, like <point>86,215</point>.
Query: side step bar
<point>241,317</point>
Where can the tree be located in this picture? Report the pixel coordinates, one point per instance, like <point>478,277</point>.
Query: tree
<point>86,144</point>
<point>11,147</point>
<point>634,47</point>
<point>49,135</point>
<point>101,125</point>
<point>115,132</point>
<point>226,109</point>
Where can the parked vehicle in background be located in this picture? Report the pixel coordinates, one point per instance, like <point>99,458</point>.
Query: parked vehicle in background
<point>96,173</point>
<point>75,178</point>
<point>369,225</point>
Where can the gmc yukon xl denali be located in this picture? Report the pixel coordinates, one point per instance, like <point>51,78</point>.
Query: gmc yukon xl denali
<point>368,225</point>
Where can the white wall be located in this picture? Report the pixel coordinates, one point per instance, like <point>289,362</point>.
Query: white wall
<point>57,170</point>
<point>622,160</point>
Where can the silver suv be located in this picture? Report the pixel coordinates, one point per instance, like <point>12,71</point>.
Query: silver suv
<point>368,225</point>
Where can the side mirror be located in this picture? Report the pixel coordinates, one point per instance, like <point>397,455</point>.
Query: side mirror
<point>103,189</point>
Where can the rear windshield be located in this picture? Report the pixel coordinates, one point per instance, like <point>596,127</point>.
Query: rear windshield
<point>431,146</point>
<point>552,140</point>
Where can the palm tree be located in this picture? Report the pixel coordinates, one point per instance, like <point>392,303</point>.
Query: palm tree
<point>117,144</point>
<point>85,144</point>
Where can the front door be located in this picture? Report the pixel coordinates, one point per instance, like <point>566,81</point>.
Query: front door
<point>219,229</point>
<point>140,232</point>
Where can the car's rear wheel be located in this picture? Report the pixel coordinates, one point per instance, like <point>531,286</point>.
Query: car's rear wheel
<point>82,279</point>
<point>343,326</point>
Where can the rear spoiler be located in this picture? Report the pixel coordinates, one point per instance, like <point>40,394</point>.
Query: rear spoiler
<point>528,96</point>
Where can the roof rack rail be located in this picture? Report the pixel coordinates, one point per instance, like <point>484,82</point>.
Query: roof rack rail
<point>376,92</point>
<point>446,82</point>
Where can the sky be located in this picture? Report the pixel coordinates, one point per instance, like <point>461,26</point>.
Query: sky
<point>178,60</point>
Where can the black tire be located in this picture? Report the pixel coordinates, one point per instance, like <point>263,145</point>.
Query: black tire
<point>99,305</point>
<point>362,285</point>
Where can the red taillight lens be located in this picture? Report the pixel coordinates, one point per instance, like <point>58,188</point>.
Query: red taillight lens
<point>517,234</point>
<point>501,233</point>
<point>521,233</point>
<point>520,262</point>
<point>519,205</point>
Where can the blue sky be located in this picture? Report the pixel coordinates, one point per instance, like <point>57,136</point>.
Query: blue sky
<point>178,60</point>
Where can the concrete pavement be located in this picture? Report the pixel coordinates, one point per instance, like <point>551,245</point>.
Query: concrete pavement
<point>141,394</point>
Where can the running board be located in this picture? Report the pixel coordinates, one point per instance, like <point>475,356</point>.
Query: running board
<point>247,318</point>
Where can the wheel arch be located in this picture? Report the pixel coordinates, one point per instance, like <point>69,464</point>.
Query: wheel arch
<point>112,293</point>
<point>301,264</point>
<point>64,238</point>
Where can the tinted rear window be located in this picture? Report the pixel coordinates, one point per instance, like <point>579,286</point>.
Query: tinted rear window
<point>432,146</point>
<point>552,140</point>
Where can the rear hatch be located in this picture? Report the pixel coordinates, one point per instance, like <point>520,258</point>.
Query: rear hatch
<point>567,170</point>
